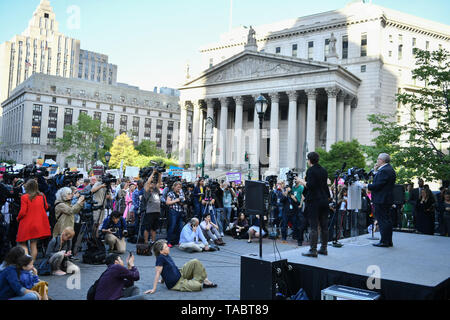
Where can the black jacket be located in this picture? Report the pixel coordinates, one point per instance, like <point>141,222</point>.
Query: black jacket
<point>383,185</point>
<point>316,184</point>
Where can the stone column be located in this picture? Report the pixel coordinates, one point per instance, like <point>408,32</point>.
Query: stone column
<point>340,117</point>
<point>256,137</point>
<point>347,118</point>
<point>311,120</point>
<point>331,116</point>
<point>292,130</point>
<point>183,134</point>
<point>209,134</point>
<point>301,133</point>
<point>200,134</point>
<point>274,160</point>
<point>195,134</point>
<point>238,133</point>
<point>223,132</point>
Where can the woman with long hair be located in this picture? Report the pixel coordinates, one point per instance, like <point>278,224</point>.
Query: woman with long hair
<point>32,218</point>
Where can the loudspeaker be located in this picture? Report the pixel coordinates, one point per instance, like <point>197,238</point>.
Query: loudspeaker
<point>399,194</point>
<point>256,197</point>
<point>266,280</point>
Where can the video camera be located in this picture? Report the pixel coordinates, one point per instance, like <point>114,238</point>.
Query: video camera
<point>356,174</point>
<point>272,180</point>
<point>66,179</point>
<point>108,179</point>
<point>146,172</point>
<point>29,172</point>
<point>170,180</point>
<point>290,177</point>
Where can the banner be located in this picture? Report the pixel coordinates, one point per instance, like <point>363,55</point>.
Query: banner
<point>132,172</point>
<point>234,177</point>
<point>176,172</point>
<point>98,170</point>
<point>114,172</point>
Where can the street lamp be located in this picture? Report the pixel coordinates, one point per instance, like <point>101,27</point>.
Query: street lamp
<point>261,107</point>
<point>107,158</point>
<point>210,121</point>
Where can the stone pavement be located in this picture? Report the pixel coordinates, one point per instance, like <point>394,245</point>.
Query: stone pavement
<point>222,267</point>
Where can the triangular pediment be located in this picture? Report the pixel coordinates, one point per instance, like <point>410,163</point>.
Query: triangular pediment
<point>256,65</point>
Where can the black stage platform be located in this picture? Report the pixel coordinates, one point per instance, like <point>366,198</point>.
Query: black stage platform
<point>416,268</point>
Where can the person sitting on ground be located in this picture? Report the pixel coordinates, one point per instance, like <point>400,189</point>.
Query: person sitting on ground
<point>254,230</point>
<point>64,211</point>
<point>113,227</point>
<point>192,239</point>
<point>10,286</point>
<point>211,230</point>
<point>240,227</point>
<point>12,256</point>
<point>29,277</point>
<point>117,282</point>
<point>59,251</point>
<point>191,277</point>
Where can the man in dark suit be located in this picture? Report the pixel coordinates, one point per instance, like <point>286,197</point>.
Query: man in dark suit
<point>316,194</point>
<point>382,190</point>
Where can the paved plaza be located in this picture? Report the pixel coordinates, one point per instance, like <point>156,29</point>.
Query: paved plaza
<point>223,268</point>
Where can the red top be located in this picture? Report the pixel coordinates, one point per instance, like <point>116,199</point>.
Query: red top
<point>33,220</point>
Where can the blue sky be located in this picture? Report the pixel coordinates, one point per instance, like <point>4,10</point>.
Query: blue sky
<point>173,30</point>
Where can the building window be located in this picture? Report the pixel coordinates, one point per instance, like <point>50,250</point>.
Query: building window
<point>427,45</point>
<point>98,116</point>
<point>124,109</point>
<point>84,112</point>
<point>414,44</point>
<point>111,108</point>
<point>36,124</point>
<point>400,52</point>
<point>390,38</point>
<point>68,117</point>
<point>363,68</point>
<point>278,50</point>
<point>110,120</point>
<point>364,45</point>
<point>345,47</point>
<point>147,128</point>
<point>123,124</point>
<point>294,50</point>
<point>390,53</point>
<point>54,99</point>
<point>310,50</point>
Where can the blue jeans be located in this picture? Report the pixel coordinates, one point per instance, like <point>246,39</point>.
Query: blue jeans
<point>220,213</point>
<point>175,220</point>
<point>198,209</point>
<point>28,296</point>
<point>284,224</point>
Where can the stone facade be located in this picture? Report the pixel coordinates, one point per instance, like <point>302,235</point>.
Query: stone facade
<point>322,74</point>
<point>39,109</point>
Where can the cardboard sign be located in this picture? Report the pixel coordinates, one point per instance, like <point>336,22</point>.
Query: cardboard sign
<point>176,172</point>
<point>234,177</point>
<point>98,170</point>
<point>132,172</point>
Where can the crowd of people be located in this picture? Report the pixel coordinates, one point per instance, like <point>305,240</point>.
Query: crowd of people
<point>37,217</point>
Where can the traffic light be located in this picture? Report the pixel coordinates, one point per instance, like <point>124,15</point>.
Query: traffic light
<point>246,157</point>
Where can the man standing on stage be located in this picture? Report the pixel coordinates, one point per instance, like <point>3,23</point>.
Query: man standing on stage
<point>383,197</point>
<point>316,199</point>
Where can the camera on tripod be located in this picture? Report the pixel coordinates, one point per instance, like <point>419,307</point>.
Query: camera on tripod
<point>212,186</point>
<point>290,177</point>
<point>26,173</point>
<point>272,180</point>
<point>108,179</point>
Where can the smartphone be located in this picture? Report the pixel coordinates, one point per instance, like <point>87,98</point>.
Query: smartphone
<point>131,253</point>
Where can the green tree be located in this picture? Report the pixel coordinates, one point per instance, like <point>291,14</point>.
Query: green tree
<point>80,140</point>
<point>340,152</point>
<point>419,144</point>
<point>122,149</point>
<point>149,149</point>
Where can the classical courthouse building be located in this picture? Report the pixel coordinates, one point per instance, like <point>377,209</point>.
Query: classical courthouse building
<point>322,74</point>
<point>46,81</point>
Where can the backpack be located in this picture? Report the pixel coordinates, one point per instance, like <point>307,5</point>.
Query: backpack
<point>93,289</point>
<point>96,252</point>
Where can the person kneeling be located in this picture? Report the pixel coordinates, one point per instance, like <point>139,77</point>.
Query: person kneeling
<point>117,282</point>
<point>192,276</point>
<point>59,251</point>
<point>192,238</point>
<point>210,230</point>
<point>113,227</point>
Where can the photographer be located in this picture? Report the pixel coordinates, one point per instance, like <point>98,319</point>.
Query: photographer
<point>64,211</point>
<point>100,194</point>
<point>175,202</point>
<point>152,205</point>
<point>59,250</point>
<point>290,209</point>
<point>114,228</point>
